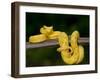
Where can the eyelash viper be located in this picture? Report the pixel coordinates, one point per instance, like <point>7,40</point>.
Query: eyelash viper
<point>71,54</point>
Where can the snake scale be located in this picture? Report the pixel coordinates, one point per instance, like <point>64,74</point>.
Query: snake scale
<point>71,52</point>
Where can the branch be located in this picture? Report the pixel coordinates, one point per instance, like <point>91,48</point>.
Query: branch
<point>83,40</point>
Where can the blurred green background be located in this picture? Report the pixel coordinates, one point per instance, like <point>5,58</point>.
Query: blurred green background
<point>48,56</point>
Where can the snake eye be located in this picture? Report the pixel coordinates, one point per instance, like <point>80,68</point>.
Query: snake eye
<point>69,50</point>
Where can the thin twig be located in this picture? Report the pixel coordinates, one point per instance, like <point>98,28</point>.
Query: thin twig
<point>83,40</point>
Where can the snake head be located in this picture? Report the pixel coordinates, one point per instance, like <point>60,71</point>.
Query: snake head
<point>46,30</point>
<point>76,34</point>
<point>74,39</point>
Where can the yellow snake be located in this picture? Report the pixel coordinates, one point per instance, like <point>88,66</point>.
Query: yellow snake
<point>71,54</point>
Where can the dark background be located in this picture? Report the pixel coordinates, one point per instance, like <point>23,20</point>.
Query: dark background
<point>48,56</point>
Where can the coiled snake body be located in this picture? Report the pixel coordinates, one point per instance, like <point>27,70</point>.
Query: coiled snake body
<point>71,54</point>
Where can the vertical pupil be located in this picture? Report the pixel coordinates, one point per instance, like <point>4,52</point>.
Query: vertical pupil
<point>69,50</point>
